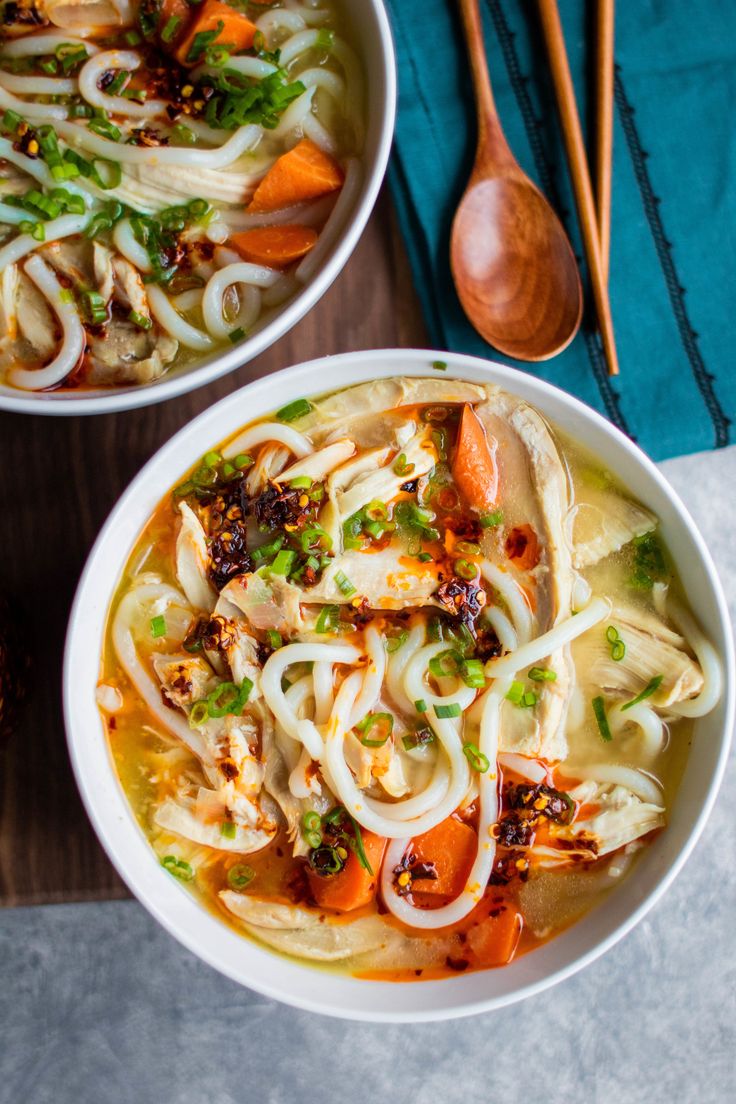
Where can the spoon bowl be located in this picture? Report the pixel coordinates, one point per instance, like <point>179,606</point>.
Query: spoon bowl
<point>512,263</point>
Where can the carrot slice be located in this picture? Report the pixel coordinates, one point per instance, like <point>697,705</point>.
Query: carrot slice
<point>474,467</point>
<point>275,246</point>
<point>354,886</point>
<point>522,547</point>
<point>305,172</point>
<point>493,941</point>
<point>237,32</point>
<point>450,847</point>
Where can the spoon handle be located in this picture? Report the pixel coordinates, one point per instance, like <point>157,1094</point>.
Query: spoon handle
<point>492,144</point>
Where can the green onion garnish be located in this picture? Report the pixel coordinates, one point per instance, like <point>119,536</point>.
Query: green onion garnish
<point>445,711</point>
<point>446,664</point>
<point>618,648</point>
<point>242,460</point>
<point>325,39</point>
<point>478,761</point>
<point>439,365</point>
<point>375,729</point>
<point>488,521</point>
<point>240,875</point>
<point>140,320</point>
<point>401,467</point>
<point>420,705</point>
<point>284,562</point>
<point>293,410</point>
<point>424,557</point>
<point>465,569</point>
<point>418,739</point>
<point>473,674</point>
<point>515,693</point>
<point>328,619</point>
<point>198,714</point>
<point>542,674</point>
<point>344,584</point>
<point>236,335</point>
<point>393,643</point>
<point>301,483</point>
<point>599,710</point>
<point>105,129</point>
<point>311,821</point>
<point>178,867</point>
<point>228,829</point>
<point>274,638</point>
<point>158,626</point>
<point>172,25</point>
<point>651,687</point>
<point>530,699</point>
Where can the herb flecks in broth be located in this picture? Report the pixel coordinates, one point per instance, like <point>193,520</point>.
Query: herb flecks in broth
<point>394,701</point>
<point>166,183</point>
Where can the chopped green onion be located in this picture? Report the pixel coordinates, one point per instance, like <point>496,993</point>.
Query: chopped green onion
<point>618,650</point>
<point>375,729</point>
<point>611,634</point>
<point>274,638</point>
<point>344,584</point>
<point>210,459</point>
<point>515,693</point>
<point>376,510</point>
<point>172,25</point>
<point>325,39</point>
<point>401,467</point>
<point>66,295</point>
<point>118,83</point>
<point>228,829</point>
<point>183,134</point>
<point>158,626</point>
<point>446,664</point>
<point>236,335</point>
<point>488,521</point>
<point>240,875</point>
<point>599,709</point>
<point>420,705</point>
<point>140,320</point>
<point>202,40</point>
<point>542,674</point>
<point>465,569</point>
<point>198,714</point>
<point>328,619</point>
<point>439,365</point>
<point>445,711</point>
<point>105,129</point>
<point>530,699</point>
<point>178,867</point>
<point>293,410</point>
<point>216,57</point>
<point>12,120</point>
<point>132,38</point>
<point>393,643</point>
<point>421,738</point>
<point>311,821</point>
<point>242,460</point>
<point>651,687</point>
<point>473,673</point>
<point>424,557</point>
<point>301,483</point>
<point>49,66</point>
<point>227,698</point>
<point>478,761</point>
<point>284,562</point>
<point>313,839</point>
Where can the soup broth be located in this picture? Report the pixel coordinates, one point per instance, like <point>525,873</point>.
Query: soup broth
<point>399,681</point>
<point>170,175</point>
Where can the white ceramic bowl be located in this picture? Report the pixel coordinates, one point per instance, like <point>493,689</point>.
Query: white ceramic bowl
<point>372,32</point>
<point>236,955</point>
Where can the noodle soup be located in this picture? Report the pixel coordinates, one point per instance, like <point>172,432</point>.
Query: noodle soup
<point>170,175</point>
<point>399,680</point>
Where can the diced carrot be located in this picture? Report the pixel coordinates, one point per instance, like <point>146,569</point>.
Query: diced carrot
<point>179,11</point>
<point>493,940</point>
<point>305,172</point>
<point>237,31</point>
<point>450,847</point>
<point>474,467</point>
<point>354,886</point>
<point>275,246</point>
<point>522,547</point>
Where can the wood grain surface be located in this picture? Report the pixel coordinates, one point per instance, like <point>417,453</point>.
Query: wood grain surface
<point>59,478</point>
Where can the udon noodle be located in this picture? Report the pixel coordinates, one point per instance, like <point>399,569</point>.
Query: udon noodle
<point>399,679</point>
<point>172,172</point>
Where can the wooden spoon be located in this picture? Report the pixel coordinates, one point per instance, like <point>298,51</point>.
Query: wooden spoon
<point>513,266</point>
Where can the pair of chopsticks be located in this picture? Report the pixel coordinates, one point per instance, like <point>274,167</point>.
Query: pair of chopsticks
<point>594,213</point>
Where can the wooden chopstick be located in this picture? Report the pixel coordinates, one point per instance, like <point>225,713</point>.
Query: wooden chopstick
<point>604,125</point>
<point>579,172</point>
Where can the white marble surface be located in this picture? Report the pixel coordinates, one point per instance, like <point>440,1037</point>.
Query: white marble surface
<point>98,1004</point>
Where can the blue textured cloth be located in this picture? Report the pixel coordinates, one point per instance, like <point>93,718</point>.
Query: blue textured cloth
<point>673,251</point>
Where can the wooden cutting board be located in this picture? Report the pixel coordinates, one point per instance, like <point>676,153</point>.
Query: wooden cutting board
<point>59,478</point>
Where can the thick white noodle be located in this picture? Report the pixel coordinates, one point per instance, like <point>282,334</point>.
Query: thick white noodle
<point>285,435</point>
<point>324,692</point>
<point>38,86</point>
<point>188,300</point>
<point>480,872</point>
<point>217,285</point>
<point>319,134</point>
<point>302,214</point>
<point>61,227</point>
<point>523,766</point>
<point>93,69</point>
<point>45,42</point>
<point>642,785</point>
<point>37,113</point>
<point>562,634</point>
<point>513,596</point>
<point>276,665</point>
<point>297,44</point>
<point>397,665</point>
<point>150,691</point>
<point>237,144</point>
<point>38,170</point>
<point>325,79</point>
<point>13,216</point>
<point>127,244</point>
<point>170,320</point>
<point>651,725</point>
<point>284,287</point>
<point>73,336</point>
<point>335,223</point>
<point>272,21</point>
<point>710,665</point>
<point>416,688</point>
<point>246,66</point>
<point>294,115</point>
<point>502,627</point>
<point>309,12</point>
<point>372,678</point>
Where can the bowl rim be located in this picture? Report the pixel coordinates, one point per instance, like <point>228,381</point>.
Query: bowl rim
<point>133,397</point>
<point>162,900</point>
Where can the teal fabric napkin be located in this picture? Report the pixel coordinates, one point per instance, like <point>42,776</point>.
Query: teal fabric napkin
<point>673,252</point>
